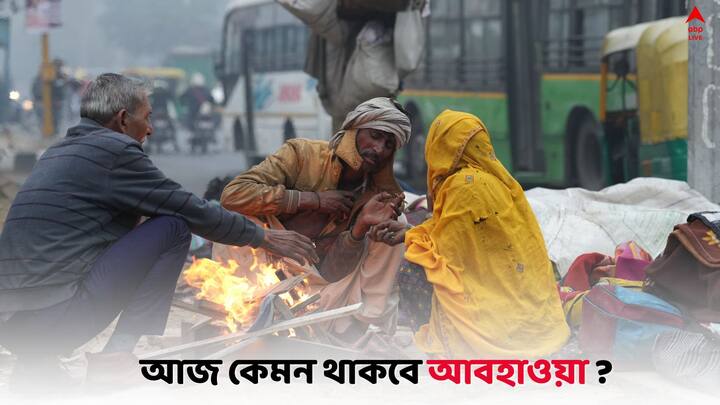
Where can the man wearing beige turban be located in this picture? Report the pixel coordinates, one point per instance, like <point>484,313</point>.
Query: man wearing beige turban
<point>333,192</point>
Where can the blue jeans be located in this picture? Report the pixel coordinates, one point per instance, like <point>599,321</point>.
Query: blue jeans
<point>135,277</point>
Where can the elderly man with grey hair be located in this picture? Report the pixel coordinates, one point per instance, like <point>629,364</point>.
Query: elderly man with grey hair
<point>73,253</point>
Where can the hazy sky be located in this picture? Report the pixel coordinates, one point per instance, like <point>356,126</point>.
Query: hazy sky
<point>84,38</point>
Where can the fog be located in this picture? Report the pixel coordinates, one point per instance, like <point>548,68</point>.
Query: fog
<point>107,35</point>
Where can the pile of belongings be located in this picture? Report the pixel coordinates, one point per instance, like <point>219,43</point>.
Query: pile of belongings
<point>648,294</point>
<point>664,312</point>
<point>360,49</point>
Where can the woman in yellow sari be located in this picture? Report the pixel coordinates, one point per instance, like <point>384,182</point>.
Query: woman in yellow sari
<point>494,292</point>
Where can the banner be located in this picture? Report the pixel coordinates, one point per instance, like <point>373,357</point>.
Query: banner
<point>41,15</point>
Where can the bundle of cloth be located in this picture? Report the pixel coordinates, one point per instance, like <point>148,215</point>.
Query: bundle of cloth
<point>625,268</point>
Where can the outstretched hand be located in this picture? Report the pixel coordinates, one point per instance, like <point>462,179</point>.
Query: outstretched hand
<point>382,207</point>
<point>290,244</point>
<point>389,232</point>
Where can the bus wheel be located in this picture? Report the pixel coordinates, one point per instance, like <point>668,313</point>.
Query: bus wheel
<point>588,156</point>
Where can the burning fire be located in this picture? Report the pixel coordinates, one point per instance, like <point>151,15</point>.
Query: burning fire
<point>235,288</point>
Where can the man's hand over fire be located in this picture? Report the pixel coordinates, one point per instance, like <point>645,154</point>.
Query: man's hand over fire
<point>290,244</point>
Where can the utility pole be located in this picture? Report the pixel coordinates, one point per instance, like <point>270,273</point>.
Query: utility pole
<point>48,75</point>
<point>704,99</point>
<point>248,59</point>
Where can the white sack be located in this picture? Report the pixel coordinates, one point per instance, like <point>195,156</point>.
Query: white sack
<point>576,221</point>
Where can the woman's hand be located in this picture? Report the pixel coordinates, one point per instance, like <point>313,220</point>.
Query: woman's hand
<point>389,232</point>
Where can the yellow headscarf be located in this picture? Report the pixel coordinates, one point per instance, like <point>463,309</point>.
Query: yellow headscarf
<point>494,290</point>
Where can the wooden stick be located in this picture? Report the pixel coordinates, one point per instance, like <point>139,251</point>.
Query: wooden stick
<point>280,288</point>
<point>285,313</point>
<point>199,310</point>
<point>302,305</point>
<point>219,355</point>
<point>240,336</point>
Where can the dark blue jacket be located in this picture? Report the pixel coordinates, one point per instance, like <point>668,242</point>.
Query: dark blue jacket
<point>85,193</point>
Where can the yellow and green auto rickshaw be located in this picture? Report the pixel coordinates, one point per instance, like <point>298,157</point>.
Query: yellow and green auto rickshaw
<point>644,100</point>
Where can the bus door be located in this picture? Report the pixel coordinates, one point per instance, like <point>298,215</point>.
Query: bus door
<point>523,83</point>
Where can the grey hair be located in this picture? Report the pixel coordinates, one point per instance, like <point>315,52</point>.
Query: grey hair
<point>110,93</point>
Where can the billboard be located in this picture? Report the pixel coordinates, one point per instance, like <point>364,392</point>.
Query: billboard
<point>41,15</point>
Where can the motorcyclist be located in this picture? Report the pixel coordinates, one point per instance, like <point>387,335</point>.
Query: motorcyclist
<point>162,101</point>
<point>194,97</point>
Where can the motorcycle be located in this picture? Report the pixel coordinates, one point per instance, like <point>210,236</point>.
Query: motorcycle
<point>163,132</point>
<point>203,129</point>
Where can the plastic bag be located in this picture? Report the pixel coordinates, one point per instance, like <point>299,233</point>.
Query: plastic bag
<point>409,38</point>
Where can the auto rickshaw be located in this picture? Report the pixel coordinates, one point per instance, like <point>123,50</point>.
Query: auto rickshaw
<point>165,82</point>
<point>644,100</point>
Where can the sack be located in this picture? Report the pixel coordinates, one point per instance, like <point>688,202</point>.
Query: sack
<point>409,38</point>
<point>688,271</point>
<point>331,65</point>
<point>626,268</point>
<point>622,324</point>
<point>320,17</point>
<point>371,71</point>
<point>366,10</point>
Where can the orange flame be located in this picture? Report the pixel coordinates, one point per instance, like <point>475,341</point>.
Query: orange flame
<point>234,288</point>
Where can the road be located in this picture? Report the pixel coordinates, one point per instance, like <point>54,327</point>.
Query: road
<point>194,172</point>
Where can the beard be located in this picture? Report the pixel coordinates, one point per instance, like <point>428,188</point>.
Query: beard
<point>371,162</point>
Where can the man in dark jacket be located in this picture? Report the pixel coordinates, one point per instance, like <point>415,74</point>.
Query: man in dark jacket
<point>72,252</point>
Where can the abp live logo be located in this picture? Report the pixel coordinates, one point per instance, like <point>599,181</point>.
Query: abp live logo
<point>695,31</point>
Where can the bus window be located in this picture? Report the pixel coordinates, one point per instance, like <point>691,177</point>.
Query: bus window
<point>481,8</point>
<point>595,23</point>
<point>231,55</point>
<point>446,8</point>
<point>279,48</point>
<point>445,42</point>
<point>598,18</point>
<point>575,31</point>
<point>483,58</point>
<point>239,21</point>
<point>556,50</point>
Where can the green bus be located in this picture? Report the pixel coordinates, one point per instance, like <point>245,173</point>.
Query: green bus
<point>530,69</point>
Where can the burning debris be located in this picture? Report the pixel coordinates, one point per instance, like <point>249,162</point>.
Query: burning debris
<point>240,289</point>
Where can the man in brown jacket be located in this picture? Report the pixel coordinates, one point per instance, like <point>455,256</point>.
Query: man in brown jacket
<point>333,192</point>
